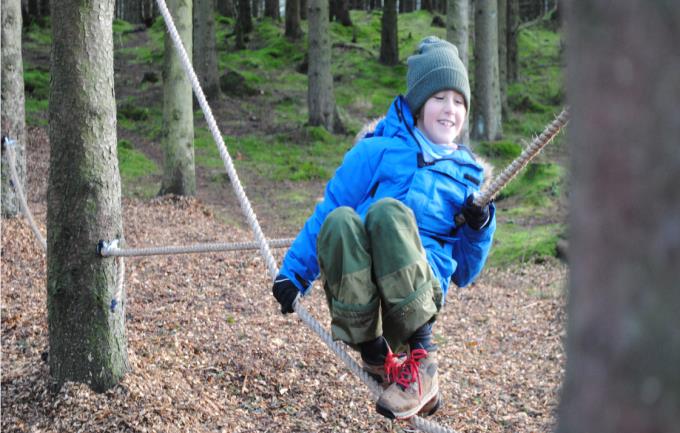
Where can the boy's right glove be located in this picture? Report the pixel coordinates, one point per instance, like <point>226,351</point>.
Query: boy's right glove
<point>285,292</point>
<point>475,216</point>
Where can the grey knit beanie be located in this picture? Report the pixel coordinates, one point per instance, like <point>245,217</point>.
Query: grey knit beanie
<point>434,67</point>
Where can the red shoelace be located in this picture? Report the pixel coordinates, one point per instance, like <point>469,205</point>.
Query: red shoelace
<point>407,372</point>
<point>392,365</point>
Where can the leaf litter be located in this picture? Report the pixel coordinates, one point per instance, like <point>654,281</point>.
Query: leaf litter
<point>210,352</point>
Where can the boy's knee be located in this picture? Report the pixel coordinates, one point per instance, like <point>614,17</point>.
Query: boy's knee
<point>388,209</point>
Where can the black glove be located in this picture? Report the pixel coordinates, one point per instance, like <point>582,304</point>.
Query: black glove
<point>285,292</point>
<point>475,216</point>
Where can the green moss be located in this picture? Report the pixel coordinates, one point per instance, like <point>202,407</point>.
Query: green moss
<point>537,184</point>
<point>133,163</point>
<point>503,150</point>
<point>514,243</point>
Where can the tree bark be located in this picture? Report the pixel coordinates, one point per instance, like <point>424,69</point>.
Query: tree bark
<point>129,10</point>
<point>205,51</point>
<point>271,9</point>
<point>244,22</point>
<point>225,8</point>
<point>502,8</point>
<point>623,343</point>
<point>486,121</point>
<point>511,40</point>
<point>457,32</point>
<point>13,110</point>
<point>86,312</point>
<point>179,174</point>
<point>340,12</point>
<point>389,46</point>
<point>293,29</point>
<point>320,97</point>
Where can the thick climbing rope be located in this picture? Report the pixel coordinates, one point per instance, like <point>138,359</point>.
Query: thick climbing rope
<point>523,159</point>
<point>304,315</point>
<point>11,161</point>
<point>109,250</point>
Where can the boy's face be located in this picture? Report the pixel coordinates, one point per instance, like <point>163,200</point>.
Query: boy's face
<point>442,117</point>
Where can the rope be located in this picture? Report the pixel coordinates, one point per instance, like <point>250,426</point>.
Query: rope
<point>523,159</point>
<point>11,159</point>
<point>255,226</point>
<point>228,163</point>
<point>114,251</point>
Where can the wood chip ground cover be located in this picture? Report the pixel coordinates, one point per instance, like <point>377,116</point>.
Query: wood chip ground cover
<point>209,351</point>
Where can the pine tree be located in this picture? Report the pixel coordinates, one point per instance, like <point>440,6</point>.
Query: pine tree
<point>86,312</point>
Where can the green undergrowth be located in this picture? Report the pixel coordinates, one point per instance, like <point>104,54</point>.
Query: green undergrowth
<point>310,153</point>
<point>514,243</point>
<point>288,150</point>
<point>136,170</point>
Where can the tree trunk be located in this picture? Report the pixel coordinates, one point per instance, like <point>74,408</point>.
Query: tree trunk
<point>225,8</point>
<point>129,10</point>
<point>340,12</point>
<point>409,5</point>
<point>303,9</point>
<point>205,52</point>
<point>320,98</point>
<point>179,174</point>
<point>426,5</point>
<point>511,40</point>
<point>293,29</point>
<point>502,7</point>
<point>623,341</point>
<point>13,111</point>
<point>271,9</point>
<point>457,32</point>
<point>245,19</point>
<point>86,311</point>
<point>486,121</point>
<point>389,46</point>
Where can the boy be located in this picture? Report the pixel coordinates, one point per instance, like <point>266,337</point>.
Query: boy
<point>385,240</point>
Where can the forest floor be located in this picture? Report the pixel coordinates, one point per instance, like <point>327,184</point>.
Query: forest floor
<point>209,351</point>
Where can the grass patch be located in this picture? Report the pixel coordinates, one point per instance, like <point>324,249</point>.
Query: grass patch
<point>537,185</point>
<point>516,244</point>
<point>132,163</point>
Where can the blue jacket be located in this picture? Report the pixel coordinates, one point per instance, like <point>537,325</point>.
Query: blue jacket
<point>388,163</point>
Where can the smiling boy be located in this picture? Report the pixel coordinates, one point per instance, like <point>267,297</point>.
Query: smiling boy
<point>385,240</point>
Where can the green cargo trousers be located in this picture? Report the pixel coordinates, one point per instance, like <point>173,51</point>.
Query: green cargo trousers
<point>376,276</point>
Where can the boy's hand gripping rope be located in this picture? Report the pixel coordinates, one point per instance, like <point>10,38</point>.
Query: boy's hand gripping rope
<point>534,148</point>
<point>306,317</point>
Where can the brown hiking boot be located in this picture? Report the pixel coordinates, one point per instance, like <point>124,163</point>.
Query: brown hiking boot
<point>385,373</point>
<point>415,387</point>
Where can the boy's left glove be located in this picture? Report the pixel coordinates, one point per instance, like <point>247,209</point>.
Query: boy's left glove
<point>476,217</point>
<point>285,292</point>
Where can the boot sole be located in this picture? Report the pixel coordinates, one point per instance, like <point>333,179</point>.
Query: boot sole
<point>432,406</point>
<point>387,413</point>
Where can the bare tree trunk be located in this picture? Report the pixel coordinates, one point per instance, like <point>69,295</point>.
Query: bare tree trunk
<point>502,7</point>
<point>486,122</point>
<point>226,8</point>
<point>320,97</point>
<point>205,52</point>
<point>244,22</point>
<point>271,9</point>
<point>457,32</point>
<point>340,11</point>
<point>623,344</point>
<point>293,29</point>
<point>511,40</point>
<point>86,312</point>
<point>13,110</point>
<point>389,45</point>
<point>303,9</point>
<point>426,5</point>
<point>179,174</point>
<point>129,10</point>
